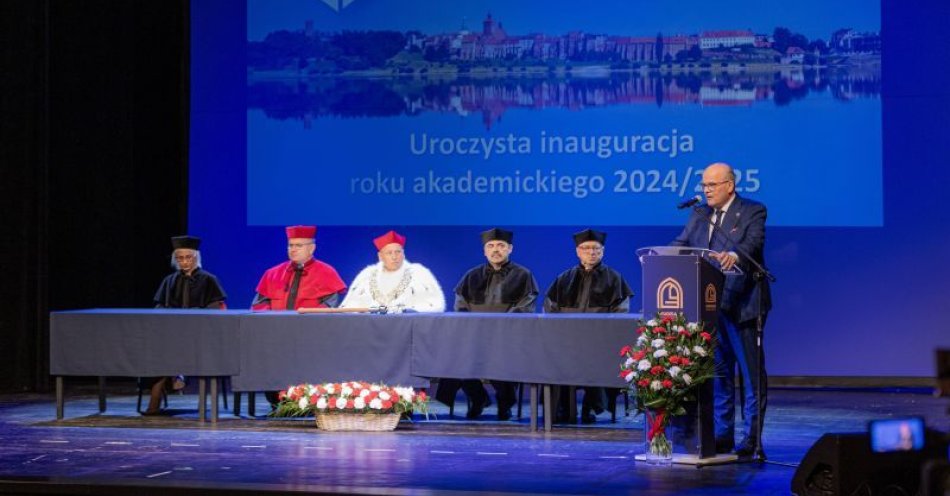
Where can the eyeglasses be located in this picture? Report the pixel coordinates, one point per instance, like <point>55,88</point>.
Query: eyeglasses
<point>184,257</point>
<point>713,185</point>
<point>291,246</point>
<point>595,249</point>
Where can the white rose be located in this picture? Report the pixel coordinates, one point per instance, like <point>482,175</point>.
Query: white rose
<point>652,323</point>
<point>364,393</point>
<point>374,388</point>
<point>692,326</point>
<point>699,350</point>
<point>330,389</point>
<point>347,391</point>
<point>658,343</point>
<point>687,379</point>
<point>302,402</point>
<point>322,403</point>
<point>644,365</point>
<point>642,339</point>
<point>628,362</point>
<point>656,385</point>
<point>675,370</point>
<point>341,403</point>
<point>659,353</point>
<point>358,403</point>
<point>290,391</point>
<point>685,352</point>
<point>629,377</point>
<point>376,404</point>
<point>384,395</point>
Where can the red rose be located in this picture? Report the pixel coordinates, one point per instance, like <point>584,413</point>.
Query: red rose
<point>641,330</point>
<point>667,318</point>
<point>625,350</point>
<point>671,338</point>
<point>674,359</point>
<point>659,330</point>
<point>667,383</point>
<point>421,396</point>
<point>387,404</point>
<point>684,361</point>
<point>639,355</point>
<point>281,395</point>
<point>349,403</point>
<point>657,370</point>
<point>706,336</point>
<point>313,399</point>
<point>643,382</point>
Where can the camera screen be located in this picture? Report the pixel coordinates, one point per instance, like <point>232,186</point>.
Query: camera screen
<point>903,434</point>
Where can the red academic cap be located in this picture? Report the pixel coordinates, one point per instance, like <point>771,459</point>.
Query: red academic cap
<point>309,232</point>
<point>390,237</point>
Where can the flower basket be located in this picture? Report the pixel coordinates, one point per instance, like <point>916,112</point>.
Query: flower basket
<point>371,422</point>
<point>352,405</point>
<point>669,360</point>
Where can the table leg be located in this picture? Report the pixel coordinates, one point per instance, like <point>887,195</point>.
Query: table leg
<point>548,413</point>
<point>102,394</point>
<point>214,399</point>
<point>533,413</point>
<point>59,397</point>
<point>202,397</point>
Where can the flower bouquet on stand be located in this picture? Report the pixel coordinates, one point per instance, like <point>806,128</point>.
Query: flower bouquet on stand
<point>669,359</point>
<point>351,405</point>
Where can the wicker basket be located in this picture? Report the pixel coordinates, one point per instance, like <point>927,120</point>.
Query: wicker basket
<point>357,421</point>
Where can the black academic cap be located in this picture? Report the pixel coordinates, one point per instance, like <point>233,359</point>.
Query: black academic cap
<point>499,234</point>
<point>590,235</point>
<point>189,242</point>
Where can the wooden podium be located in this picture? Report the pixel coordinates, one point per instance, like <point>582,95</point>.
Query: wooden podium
<point>685,280</point>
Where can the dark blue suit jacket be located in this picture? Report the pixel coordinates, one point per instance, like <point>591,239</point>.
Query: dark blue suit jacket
<point>745,226</point>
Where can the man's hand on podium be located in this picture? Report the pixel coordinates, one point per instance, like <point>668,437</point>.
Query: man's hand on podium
<point>727,259</point>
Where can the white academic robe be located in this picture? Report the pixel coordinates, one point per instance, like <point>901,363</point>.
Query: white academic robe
<point>411,287</point>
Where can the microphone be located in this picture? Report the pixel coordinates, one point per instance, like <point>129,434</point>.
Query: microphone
<point>689,203</point>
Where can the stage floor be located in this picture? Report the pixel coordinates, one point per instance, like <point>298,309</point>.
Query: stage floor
<point>120,452</point>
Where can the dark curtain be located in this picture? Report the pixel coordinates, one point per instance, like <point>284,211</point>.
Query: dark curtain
<point>94,156</point>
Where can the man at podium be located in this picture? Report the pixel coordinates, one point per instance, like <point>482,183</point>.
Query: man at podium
<point>741,228</point>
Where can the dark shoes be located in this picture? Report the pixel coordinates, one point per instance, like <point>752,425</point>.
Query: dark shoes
<point>588,416</point>
<point>504,414</point>
<point>746,449</point>
<point>476,410</point>
<point>153,413</point>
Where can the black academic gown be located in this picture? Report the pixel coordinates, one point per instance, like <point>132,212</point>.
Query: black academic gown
<point>203,289</point>
<point>576,290</point>
<point>512,289</point>
<point>599,290</point>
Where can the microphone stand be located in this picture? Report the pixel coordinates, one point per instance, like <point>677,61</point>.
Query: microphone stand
<point>759,275</point>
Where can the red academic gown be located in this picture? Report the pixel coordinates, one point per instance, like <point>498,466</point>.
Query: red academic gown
<point>317,281</point>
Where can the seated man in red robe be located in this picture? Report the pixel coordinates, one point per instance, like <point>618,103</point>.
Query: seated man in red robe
<point>300,282</point>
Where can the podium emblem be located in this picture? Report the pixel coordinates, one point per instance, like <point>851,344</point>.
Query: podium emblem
<point>710,298</point>
<point>669,295</point>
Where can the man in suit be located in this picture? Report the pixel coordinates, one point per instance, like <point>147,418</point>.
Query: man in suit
<point>742,223</point>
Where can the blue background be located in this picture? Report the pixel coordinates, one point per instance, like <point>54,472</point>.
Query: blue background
<point>861,301</point>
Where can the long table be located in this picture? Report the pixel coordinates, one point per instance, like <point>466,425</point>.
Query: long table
<point>268,351</point>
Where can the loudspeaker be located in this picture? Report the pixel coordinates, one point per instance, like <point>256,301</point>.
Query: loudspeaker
<point>843,464</point>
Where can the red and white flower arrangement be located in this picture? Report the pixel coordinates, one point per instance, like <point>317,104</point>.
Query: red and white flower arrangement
<point>349,397</point>
<point>663,367</point>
